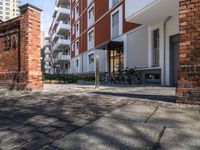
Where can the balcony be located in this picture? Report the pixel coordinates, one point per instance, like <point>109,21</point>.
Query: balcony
<point>62,28</point>
<point>55,36</point>
<point>61,44</point>
<point>47,50</point>
<point>47,66</point>
<point>149,12</point>
<point>62,13</point>
<point>63,2</point>
<point>47,59</point>
<point>64,57</point>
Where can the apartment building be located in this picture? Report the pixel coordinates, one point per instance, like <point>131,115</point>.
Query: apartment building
<point>160,19</point>
<point>9,9</point>
<point>59,42</point>
<point>47,56</point>
<point>99,28</point>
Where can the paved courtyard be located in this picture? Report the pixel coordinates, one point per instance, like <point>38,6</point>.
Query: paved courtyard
<point>111,118</point>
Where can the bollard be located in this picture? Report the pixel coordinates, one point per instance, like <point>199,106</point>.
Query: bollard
<point>96,71</point>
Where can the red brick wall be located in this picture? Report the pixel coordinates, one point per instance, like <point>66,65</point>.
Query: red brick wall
<point>22,68</point>
<point>188,90</point>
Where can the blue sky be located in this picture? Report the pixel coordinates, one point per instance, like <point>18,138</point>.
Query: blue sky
<point>48,7</point>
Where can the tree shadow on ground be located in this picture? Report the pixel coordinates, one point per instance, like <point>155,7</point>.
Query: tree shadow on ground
<point>37,120</point>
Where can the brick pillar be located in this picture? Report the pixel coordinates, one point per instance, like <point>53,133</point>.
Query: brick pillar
<point>30,51</point>
<point>188,90</point>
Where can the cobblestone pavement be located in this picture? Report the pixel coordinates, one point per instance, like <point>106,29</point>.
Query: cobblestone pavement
<point>61,113</point>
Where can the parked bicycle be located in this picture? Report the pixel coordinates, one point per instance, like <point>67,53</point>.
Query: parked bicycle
<point>127,76</point>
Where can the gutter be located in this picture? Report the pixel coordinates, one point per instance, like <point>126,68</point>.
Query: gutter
<point>165,22</point>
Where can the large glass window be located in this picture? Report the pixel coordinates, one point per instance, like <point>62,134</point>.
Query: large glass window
<point>90,16</point>
<point>115,24</point>
<point>91,39</point>
<point>155,52</point>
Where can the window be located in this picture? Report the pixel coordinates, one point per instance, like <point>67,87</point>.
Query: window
<point>76,48</point>
<point>155,52</point>
<point>73,29</point>
<point>72,46</point>
<point>90,16</point>
<point>89,2</point>
<point>115,24</point>
<point>77,63</point>
<point>91,58</point>
<point>73,12</point>
<point>76,12</point>
<point>77,29</point>
<point>112,3</point>
<point>91,39</point>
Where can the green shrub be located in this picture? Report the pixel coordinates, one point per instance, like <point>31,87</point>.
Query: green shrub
<point>69,78</point>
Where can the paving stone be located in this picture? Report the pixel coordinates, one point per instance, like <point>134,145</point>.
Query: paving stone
<point>180,139</point>
<point>37,144</point>
<point>29,137</point>
<point>90,118</point>
<point>49,147</point>
<point>57,134</point>
<point>47,129</point>
<point>59,124</point>
<point>9,136</point>
<point>51,120</point>
<point>26,129</point>
<point>69,128</point>
<point>80,123</point>
<point>111,134</point>
<point>176,118</point>
<point>11,143</point>
<point>136,113</point>
<point>3,133</point>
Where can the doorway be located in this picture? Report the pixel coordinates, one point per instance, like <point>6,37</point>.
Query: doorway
<point>174,58</point>
<point>116,57</point>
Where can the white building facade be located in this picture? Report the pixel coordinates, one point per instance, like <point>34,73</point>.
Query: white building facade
<point>158,44</point>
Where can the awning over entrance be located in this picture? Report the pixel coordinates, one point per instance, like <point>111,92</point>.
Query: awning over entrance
<point>112,45</point>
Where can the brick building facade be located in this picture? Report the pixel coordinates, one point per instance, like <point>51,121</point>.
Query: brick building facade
<point>92,29</point>
<point>20,64</point>
<point>188,90</point>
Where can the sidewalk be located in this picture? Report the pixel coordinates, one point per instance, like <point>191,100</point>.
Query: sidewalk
<point>79,117</point>
<point>138,127</point>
